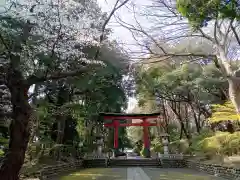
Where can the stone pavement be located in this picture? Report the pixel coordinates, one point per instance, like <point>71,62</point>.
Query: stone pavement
<point>137,173</point>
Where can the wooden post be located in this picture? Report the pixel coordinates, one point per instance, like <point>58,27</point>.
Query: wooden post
<point>145,134</point>
<point>146,139</point>
<point>115,124</point>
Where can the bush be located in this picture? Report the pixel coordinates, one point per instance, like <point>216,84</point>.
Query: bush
<point>210,147</point>
<point>157,146</point>
<point>219,144</point>
<point>195,147</point>
<point>1,153</point>
<point>179,146</point>
<point>224,112</point>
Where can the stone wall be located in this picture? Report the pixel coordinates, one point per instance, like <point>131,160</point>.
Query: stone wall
<point>230,173</point>
<point>216,170</point>
<point>172,163</point>
<point>48,172</point>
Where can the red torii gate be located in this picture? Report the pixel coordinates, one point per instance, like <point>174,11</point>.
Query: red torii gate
<point>115,117</point>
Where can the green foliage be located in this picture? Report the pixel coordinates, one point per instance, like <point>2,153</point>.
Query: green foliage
<point>211,145</point>
<point>179,146</point>
<point>204,10</point>
<point>173,133</point>
<point>145,152</point>
<point>138,147</point>
<point>224,112</point>
<point>1,153</point>
<point>177,84</point>
<point>197,139</point>
<point>134,133</point>
<point>157,146</point>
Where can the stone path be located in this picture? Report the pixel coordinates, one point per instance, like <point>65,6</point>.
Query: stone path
<point>137,173</point>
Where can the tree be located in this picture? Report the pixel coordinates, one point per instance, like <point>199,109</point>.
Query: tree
<point>43,42</point>
<point>171,27</point>
<point>186,90</point>
<point>203,11</point>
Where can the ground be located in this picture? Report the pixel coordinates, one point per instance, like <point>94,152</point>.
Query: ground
<point>136,173</point>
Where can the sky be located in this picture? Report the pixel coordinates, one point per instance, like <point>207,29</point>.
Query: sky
<point>121,34</point>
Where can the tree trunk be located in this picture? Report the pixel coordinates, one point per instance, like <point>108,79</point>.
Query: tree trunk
<point>60,134</point>
<point>33,123</point>
<point>176,110</point>
<point>165,117</point>
<point>181,133</point>
<point>63,97</point>
<point>196,120</point>
<point>234,92</point>
<point>19,128</point>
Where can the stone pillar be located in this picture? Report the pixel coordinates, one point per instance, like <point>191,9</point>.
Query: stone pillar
<point>99,147</point>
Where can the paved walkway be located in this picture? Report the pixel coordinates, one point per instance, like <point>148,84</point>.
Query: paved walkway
<point>137,173</point>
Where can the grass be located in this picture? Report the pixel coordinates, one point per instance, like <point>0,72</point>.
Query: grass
<point>121,174</point>
<point>94,173</point>
<point>183,176</point>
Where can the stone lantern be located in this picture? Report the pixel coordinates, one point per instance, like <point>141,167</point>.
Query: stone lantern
<point>99,145</point>
<point>165,142</point>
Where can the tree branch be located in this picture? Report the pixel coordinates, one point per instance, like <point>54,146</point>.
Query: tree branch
<point>115,8</point>
<point>215,31</point>
<point>234,32</point>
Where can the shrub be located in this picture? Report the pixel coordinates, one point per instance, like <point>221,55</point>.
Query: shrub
<point>196,147</point>
<point>219,144</point>
<point>210,147</point>
<point>179,146</point>
<point>224,112</point>
<point>1,153</point>
<point>157,146</point>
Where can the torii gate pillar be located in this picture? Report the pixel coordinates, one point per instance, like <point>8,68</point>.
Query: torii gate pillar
<point>115,125</point>
<point>146,141</point>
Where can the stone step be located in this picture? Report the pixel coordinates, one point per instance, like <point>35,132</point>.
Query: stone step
<point>95,163</point>
<point>134,162</point>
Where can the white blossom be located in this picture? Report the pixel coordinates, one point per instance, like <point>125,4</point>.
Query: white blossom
<point>64,27</point>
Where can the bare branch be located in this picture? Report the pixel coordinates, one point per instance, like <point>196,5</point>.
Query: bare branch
<point>115,8</point>
<point>145,33</point>
<point>215,31</point>
<point>227,33</point>
<point>206,36</point>
<point>234,32</point>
